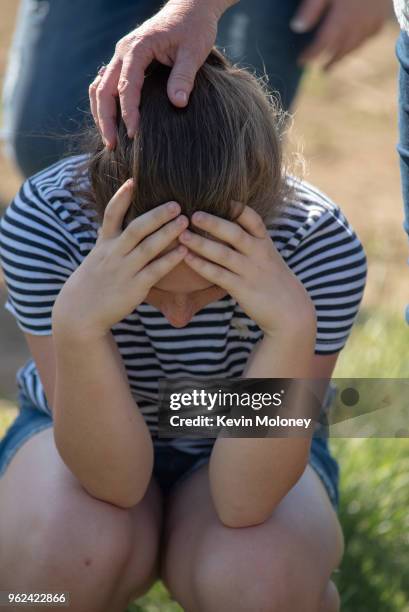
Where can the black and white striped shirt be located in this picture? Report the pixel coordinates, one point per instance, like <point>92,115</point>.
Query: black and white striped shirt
<point>45,234</point>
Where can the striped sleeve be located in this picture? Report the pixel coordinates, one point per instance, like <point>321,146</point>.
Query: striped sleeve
<point>331,263</point>
<point>36,259</point>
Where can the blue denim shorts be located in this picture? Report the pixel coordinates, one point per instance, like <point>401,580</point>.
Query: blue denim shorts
<point>171,465</point>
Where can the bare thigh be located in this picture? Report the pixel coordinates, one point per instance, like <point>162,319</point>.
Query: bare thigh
<point>282,564</point>
<point>55,536</point>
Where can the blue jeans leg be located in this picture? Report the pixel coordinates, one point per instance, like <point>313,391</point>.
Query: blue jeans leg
<point>257,35</point>
<point>402,50</point>
<point>57,49</point>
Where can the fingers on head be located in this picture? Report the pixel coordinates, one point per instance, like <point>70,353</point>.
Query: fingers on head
<point>249,219</point>
<point>131,81</point>
<point>182,76</point>
<point>115,211</point>
<point>158,268</point>
<point>92,92</point>
<point>103,92</point>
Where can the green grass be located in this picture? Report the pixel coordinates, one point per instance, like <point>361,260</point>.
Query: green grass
<point>374,508</point>
<point>378,347</point>
<point>374,574</point>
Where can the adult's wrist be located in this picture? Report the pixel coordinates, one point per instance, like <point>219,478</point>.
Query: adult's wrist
<point>217,7</point>
<point>221,6</point>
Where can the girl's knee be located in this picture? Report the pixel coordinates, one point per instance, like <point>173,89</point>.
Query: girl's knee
<point>331,601</point>
<point>73,538</point>
<point>85,530</point>
<point>273,584</point>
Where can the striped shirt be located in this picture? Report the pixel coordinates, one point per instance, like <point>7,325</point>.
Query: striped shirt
<point>45,234</point>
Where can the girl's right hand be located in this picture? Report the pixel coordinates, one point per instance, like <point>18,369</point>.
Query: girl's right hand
<point>118,273</point>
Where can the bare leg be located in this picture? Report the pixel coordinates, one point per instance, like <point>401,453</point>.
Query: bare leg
<point>54,536</point>
<point>284,564</point>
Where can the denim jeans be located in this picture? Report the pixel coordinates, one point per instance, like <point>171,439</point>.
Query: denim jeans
<point>59,45</point>
<point>402,50</point>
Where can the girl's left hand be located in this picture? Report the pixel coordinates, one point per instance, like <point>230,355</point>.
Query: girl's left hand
<point>249,267</point>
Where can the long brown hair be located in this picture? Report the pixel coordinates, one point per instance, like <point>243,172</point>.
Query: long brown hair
<point>224,146</point>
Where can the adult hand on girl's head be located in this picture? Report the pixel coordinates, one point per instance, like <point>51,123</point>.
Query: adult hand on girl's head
<point>249,267</point>
<point>346,24</point>
<point>120,270</point>
<point>181,35</point>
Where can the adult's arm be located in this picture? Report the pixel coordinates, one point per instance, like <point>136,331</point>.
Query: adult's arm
<point>180,35</point>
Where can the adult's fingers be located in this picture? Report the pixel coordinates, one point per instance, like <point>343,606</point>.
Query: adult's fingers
<point>182,76</point>
<point>351,42</point>
<point>308,15</point>
<point>130,83</point>
<point>346,47</point>
<point>327,39</point>
<point>106,93</point>
<point>115,211</point>
<point>92,92</point>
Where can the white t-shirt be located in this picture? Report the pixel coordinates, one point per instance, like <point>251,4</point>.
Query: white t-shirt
<point>402,13</point>
<point>45,234</point>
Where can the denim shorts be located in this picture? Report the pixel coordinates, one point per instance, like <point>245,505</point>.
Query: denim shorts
<point>171,465</point>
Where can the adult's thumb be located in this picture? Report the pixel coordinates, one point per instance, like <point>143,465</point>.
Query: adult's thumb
<point>182,77</point>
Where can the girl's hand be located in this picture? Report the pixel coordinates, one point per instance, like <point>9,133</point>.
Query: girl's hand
<point>118,273</point>
<point>250,268</point>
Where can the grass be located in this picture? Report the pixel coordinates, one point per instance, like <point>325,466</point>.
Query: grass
<point>374,574</point>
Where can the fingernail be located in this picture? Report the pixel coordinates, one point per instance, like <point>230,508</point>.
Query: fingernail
<point>198,217</point>
<point>181,96</point>
<point>298,25</point>
<point>173,207</point>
